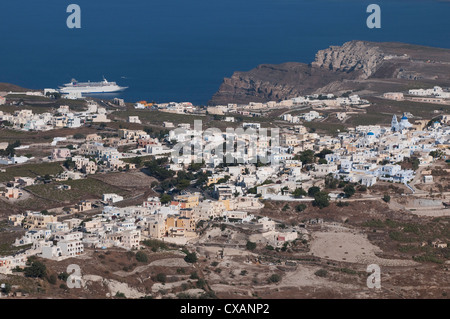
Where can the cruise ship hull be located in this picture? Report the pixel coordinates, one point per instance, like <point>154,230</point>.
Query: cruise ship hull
<point>103,89</point>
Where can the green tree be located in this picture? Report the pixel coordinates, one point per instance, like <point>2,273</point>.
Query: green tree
<point>194,275</point>
<point>250,245</point>
<point>155,244</point>
<point>274,278</point>
<point>201,283</point>
<point>183,184</point>
<point>313,191</point>
<point>161,277</point>
<point>191,258</point>
<point>141,257</point>
<point>387,198</point>
<point>415,163</point>
<point>300,207</point>
<point>52,279</point>
<point>436,154</point>
<point>323,152</point>
<point>196,166</point>
<point>154,169</point>
<point>299,193</point>
<point>321,199</point>
<point>165,198</point>
<point>36,270</point>
<point>349,190</point>
<point>120,295</point>
<point>307,157</point>
<point>69,164</point>
<point>63,276</point>
<point>321,273</point>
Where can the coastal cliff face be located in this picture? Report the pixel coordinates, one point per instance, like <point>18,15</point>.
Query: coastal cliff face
<point>270,82</point>
<point>360,65</point>
<point>356,56</point>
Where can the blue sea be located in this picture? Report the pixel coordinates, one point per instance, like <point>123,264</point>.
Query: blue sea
<point>179,50</point>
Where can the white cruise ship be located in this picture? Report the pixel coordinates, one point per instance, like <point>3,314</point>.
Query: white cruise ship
<point>91,87</point>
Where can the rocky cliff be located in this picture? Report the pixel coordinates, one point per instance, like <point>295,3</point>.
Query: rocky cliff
<point>359,57</point>
<point>356,65</point>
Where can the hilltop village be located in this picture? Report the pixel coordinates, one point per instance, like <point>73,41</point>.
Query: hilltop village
<point>259,180</point>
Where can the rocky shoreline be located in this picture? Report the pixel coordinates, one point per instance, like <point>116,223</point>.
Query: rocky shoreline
<point>366,66</point>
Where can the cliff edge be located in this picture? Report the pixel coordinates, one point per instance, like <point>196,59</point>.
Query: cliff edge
<point>360,66</point>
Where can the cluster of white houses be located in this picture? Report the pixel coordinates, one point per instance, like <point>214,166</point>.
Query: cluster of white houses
<point>435,91</point>
<point>308,117</point>
<point>314,100</point>
<point>26,120</point>
<point>365,155</point>
<point>52,239</point>
<point>93,154</point>
<point>126,227</point>
<point>237,175</point>
<point>436,95</point>
<point>254,108</point>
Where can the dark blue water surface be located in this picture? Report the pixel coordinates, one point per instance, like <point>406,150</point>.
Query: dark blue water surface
<point>180,50</point>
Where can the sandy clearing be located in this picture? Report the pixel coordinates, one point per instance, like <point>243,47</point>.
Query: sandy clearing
<point>92,278</point>
<point>194,292</point>
<point>304,276</point>
<point>114,286</point>
<point>138,269</point>
<point>432,212</point>
<point>215,251</point>
<point>230,289</point>
<point>168,286</point>
<point>213,232</point>
<point>349,246</point>
<point>170,262</point>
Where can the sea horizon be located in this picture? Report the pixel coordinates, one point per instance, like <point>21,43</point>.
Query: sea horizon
<point>176,51</point>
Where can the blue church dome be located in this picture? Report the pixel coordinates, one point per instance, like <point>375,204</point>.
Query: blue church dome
<point>370,133</point>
